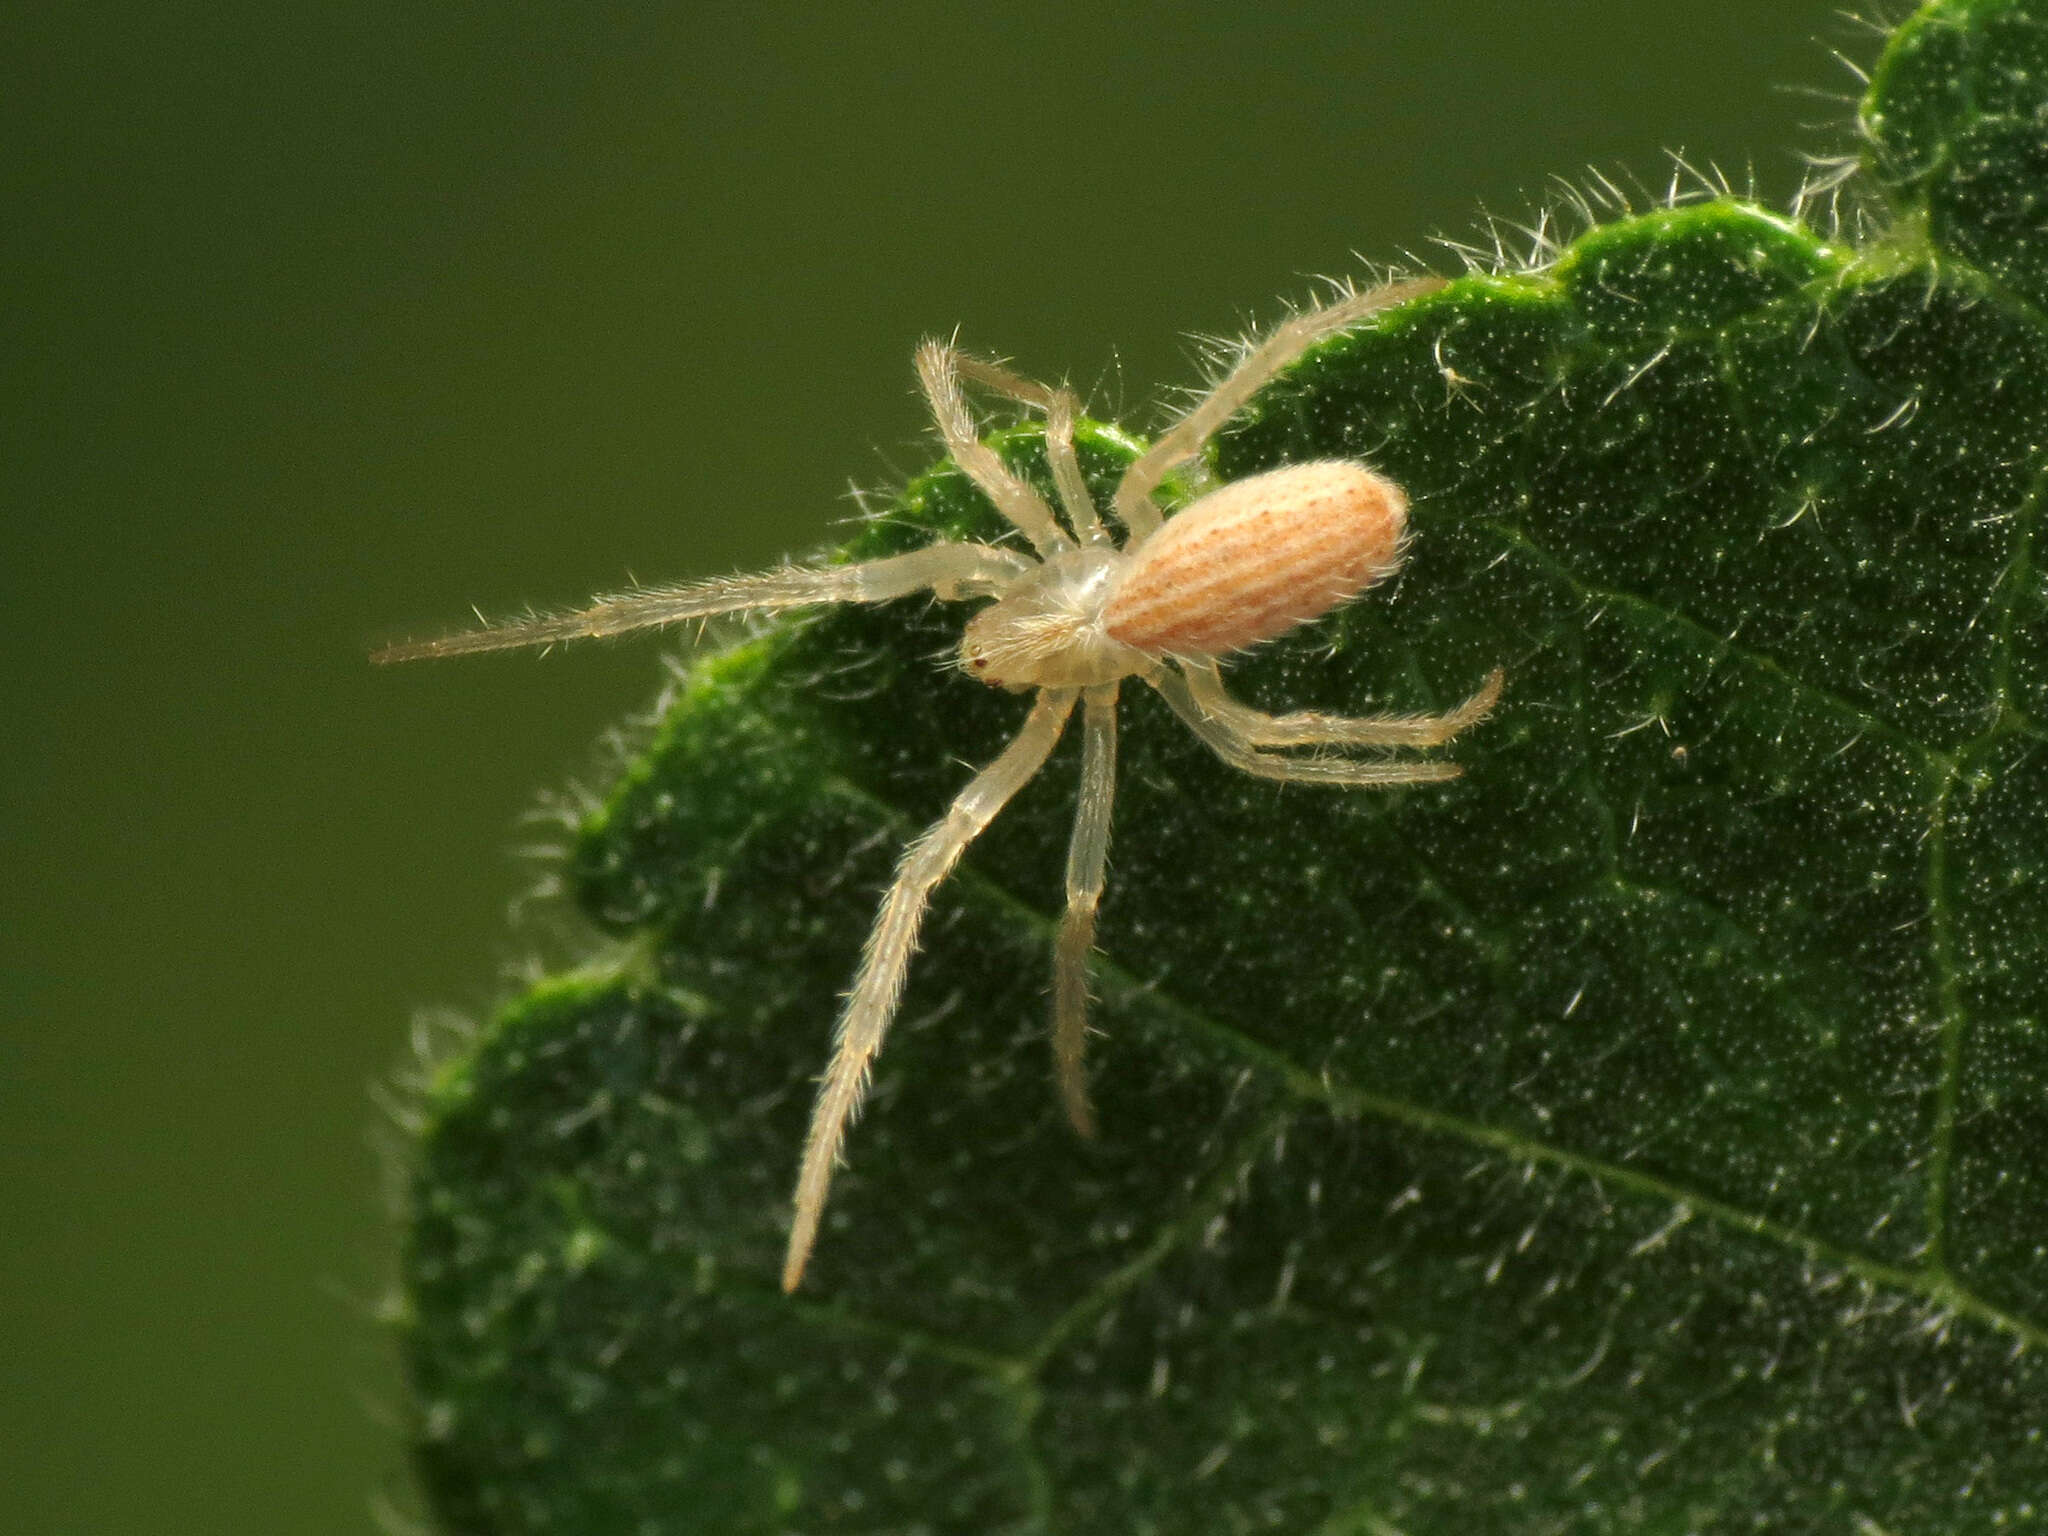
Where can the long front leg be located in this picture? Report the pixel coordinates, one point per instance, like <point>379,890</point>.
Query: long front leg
<point>1307,728</point>
<point>879,987</point>
<point>1235,750</point>
<point>1087,868</point>
<point>938,368</point>
<point>1292,337</point>
<point>951,570</point>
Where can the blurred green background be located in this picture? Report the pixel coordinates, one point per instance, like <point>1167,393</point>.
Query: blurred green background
<point>321,322</point>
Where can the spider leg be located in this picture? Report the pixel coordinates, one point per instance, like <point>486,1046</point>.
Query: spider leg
<point>938,368</point>
<point>1087,867</point>
<point>1190,435</point>
<point>1237,750</point>
<point>1061,410</point>
<point>952,570</point>
<point>878,988</point>
<point>1306,728</point>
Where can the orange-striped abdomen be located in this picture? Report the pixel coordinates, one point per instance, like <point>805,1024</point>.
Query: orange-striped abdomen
<point>1257,557</point>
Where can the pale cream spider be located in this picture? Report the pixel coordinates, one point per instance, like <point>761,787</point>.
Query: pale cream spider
<point>1240,564</point>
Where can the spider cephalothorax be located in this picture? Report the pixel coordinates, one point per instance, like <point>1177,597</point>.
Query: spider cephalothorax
<point>1243,563</point>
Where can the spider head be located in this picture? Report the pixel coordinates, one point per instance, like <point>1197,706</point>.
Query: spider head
<point>1046,632</point>
<point>1006,649</point>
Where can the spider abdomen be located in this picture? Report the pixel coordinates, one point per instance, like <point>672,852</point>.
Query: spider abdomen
<point>1256,558</point>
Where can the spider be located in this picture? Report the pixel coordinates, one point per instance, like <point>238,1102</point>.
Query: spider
<point>1240,564</point>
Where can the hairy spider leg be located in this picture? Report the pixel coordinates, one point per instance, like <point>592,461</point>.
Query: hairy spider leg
<point>952,570</point>
<point>1307,728</point>
<point>1087,870</point>
<point>938,368</point>
<point>1232,747</point>
<point>1188,436</point>
<point>1061,409</point>
<point>878,988</point>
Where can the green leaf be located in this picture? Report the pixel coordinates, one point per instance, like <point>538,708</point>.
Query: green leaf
<point>1648,1131</point>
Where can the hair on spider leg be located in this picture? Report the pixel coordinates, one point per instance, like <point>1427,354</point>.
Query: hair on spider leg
<point>1104,595</point>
